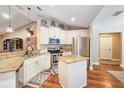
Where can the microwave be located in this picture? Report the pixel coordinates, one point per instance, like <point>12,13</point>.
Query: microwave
<point>54,41</point>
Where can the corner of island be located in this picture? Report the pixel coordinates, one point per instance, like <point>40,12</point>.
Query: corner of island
<point>72,71</point>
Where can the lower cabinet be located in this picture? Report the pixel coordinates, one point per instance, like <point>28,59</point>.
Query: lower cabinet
<point>34,65</point>
<point>46,62</point>
<point>21,74</point>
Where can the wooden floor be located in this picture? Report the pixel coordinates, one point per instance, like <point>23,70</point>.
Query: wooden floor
<point>97,78</point>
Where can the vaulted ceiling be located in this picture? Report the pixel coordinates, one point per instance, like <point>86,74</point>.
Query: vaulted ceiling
<point>83,14</point>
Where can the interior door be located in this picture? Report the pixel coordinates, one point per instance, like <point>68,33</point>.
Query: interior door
<point>105,46</point>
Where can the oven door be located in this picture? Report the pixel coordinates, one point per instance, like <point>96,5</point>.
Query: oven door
<point>55,57</point>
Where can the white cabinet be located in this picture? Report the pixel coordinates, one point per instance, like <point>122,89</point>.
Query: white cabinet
<point>46,61</point>
<point>51,32</point>
<point>34,65</point>
<point>44,35</point>
<point>8,80</point>
<point>29,69</point>
<point>54,32</point>
<point>21,73</point>
<point>70,35</point>
<point>63,37</point>
<point>76,33</point>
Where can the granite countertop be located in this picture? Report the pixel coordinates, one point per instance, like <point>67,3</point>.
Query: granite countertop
<point>42,53</point>
<point>72,58</point>
<point>13,63</point>
<point>10,64</point>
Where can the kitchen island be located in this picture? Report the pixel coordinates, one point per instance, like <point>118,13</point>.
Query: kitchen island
<point>72,71</point>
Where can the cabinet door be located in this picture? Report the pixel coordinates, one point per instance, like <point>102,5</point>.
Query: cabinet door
<point>69,37</point>
<point>63,36</point>
<point>46,62</point>
<point>44,35</point>
<point>21,73</point>
<point>76,33</point>
<point>54,32</point>
<point>30,70</point>
<point>39,66</point>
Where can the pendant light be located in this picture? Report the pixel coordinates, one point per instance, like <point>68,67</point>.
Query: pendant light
<point>9,29</point>
<point>29,27</point>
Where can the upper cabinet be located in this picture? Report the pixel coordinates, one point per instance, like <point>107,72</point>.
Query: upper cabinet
<point>65,36</point>
<point>76,33</point>
<point>44,35</point>
<point>51,32</point>
<point>54,32</point>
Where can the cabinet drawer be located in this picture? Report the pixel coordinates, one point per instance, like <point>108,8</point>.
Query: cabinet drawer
<point>32,60</point>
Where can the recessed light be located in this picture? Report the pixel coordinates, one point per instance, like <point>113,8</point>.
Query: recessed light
<point>73,19</point>
<point>6,16</point>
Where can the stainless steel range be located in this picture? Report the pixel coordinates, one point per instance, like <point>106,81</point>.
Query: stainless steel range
<point>55,53</point>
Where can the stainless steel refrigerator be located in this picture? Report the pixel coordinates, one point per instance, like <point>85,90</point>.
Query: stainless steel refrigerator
<point>81,47</point>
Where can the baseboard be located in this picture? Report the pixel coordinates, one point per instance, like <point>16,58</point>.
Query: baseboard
<point>121,65</point>
<point>115,59</point>
<point>95,63</point>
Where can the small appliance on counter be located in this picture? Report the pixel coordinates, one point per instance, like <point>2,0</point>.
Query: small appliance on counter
<point>13,44</point>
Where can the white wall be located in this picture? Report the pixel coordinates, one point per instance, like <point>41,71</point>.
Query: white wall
<point>95,42</point>
<point>107,24</point>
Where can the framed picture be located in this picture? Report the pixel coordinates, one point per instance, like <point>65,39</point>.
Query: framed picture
<point>44,23</point>
<point>61,26</point>
<point>53,24</point>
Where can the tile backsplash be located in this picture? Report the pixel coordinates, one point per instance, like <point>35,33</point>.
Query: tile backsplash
<point>45,46</point>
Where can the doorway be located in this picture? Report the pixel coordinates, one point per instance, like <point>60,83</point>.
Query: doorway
<point>110,48</point>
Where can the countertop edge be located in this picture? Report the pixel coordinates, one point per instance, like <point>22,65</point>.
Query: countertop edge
<point>73,60</point>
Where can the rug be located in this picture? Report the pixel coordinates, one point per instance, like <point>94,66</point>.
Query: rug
<point>118,74</point>
<point>39,79</point>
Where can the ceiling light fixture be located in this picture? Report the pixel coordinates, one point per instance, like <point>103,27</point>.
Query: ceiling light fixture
<point>30,31</point>
<point>9,28</point>
<point>73,19</point>
<point>6,16</point>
